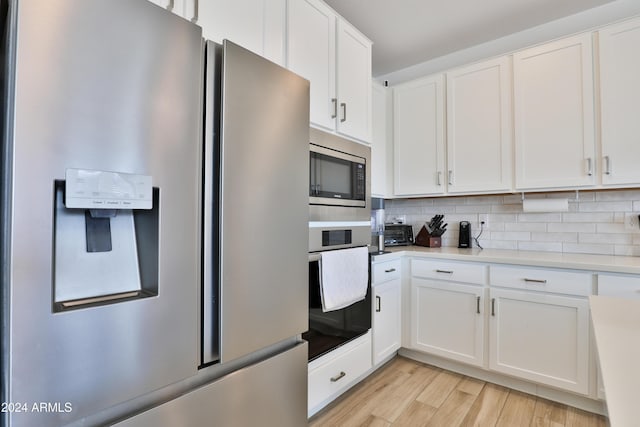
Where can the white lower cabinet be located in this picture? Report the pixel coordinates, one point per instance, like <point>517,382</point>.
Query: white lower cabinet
<point>448,320</point>
<point>539,326</point>
<point>387,305</point>
<point>334,373</point>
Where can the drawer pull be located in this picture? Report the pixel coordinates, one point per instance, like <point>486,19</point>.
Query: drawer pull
<point>535,281</point>
<point>391,270</point>
<point>478,305</point>
<point>444,271</point>
<point>338,377</point>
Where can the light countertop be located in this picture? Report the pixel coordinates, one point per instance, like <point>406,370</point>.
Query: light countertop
<point>616,325</point>
<point>596,263</point>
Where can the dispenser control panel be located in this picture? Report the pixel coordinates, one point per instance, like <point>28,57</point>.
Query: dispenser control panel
<point>91,189</point>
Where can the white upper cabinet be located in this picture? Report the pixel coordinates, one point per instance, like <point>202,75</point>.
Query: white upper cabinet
<point>418,129</point>
<point>354,82</point>
<point>554,116</point>
<point>258,25</point>
<point>336,59</point>
<point>479,127</point>
<point>619,102</point>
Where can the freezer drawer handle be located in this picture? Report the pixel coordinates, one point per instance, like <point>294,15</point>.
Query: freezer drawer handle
<point>391,270</point>
<point>378,304</point>
<point>444,271</point>
<point>535,280</point>
<point>338,377</point>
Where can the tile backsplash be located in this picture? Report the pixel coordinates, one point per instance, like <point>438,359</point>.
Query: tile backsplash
<point>594,224</point>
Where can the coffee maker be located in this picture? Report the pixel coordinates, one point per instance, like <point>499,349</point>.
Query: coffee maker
<point>377,223</point>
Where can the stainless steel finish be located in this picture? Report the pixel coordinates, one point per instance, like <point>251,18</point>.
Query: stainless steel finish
<point>607,160</point>
<point>131,105</point>
<point>444,271</point>
<point>381,243</point>
<point>264,293</point>
<point>343,106</point>
<point>450,177</point>
<point>439,178</point>
<point>338,377</point>
<point>338,202</point>
<point>360,236</point>
<point>378,304</point>
<point>493,306</point>
<point>268,393</point>
<point>589,166</point>
<point>334,102</point>
<point>478,305</point>
<point>315,257</point>
<point>322,211</point>
<point>340,155</point>
<point>196,11</point>
<point>210,351</point>
<point>535,280</point>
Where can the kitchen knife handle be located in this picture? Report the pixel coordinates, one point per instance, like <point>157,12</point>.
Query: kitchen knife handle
<point>478,305</point>
<point>338,377</point>
<point>343,105</point>
<point>607,161</point>
<point>334,102</point>
<point>439,178</point>
<point>493,306</point>
<point>378,304</point>
<point>450,177</point>
<point>196,11</point>
<point>589,166</point>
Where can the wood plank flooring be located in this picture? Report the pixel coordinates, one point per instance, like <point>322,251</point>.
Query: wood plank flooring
<point>408,393</point>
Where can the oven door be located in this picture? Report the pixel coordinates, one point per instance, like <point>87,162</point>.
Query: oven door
<point>336,178</point>
<point>330,330</point>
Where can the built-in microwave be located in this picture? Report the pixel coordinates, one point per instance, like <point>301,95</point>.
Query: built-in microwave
<point>339,178</point>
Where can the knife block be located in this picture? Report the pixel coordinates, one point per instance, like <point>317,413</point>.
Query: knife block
<point>425,239</point>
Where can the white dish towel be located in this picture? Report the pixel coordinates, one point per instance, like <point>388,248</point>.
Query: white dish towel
<point>344,275</point>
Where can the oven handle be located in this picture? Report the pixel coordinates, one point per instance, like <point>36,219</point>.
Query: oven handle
<point>314,257</point>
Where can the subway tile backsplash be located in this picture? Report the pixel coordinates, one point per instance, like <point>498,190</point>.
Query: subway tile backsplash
<point>595,223</point>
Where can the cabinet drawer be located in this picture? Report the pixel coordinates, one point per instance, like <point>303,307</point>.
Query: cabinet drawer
<point>543,280</point>
<point>627,287</point>
<point>384,271</point>
<point>331,378</point>
<point>449,270</point>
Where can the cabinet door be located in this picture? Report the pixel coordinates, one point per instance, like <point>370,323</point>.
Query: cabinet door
<point>257,25</point>
<point>447,320</point>
<point>554,123</point>
<point>619,102</point>
<point>386,320</point>
<point>540,337</point>
<point>479,127</point>
<point>311,54</point>
<point>418,123</point>
<point>354,82</point>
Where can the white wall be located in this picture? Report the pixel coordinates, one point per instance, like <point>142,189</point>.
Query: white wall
<point>594,223</point>
<point>584,21</point>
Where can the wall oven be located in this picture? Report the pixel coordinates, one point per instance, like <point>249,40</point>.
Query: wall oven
<point>329,330</point>
<point>339,178</point>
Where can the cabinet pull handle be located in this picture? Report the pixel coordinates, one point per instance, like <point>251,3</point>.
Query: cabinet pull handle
<point>343,105</point>
<point>334,103</point>
<point>444,271</point>
<point>478,305</point>
<point>378,304</point>
<point>607,161</point>
<point>450,177</point>
<point>589,166</point>
<point>391,270</point>
<point>493,306</point>
<point>338,377</point>
<point>171,5</point>
<point>535,280</point>
<point>196,11</point>
<point>439,178</point>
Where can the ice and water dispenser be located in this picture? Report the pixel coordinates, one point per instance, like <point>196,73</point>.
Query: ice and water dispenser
<point>106,238</point>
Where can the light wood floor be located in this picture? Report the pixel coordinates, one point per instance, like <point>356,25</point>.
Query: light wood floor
<point>409,393</point>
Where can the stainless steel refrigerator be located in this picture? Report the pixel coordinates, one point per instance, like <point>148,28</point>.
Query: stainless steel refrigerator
<point>153,222</point>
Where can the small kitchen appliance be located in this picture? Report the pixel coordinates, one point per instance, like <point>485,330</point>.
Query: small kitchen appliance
<point>398,235</point>
<point>464,240</point>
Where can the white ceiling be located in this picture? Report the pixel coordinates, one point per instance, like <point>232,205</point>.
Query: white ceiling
<point>409,32</point>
